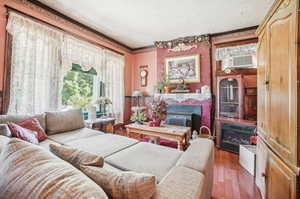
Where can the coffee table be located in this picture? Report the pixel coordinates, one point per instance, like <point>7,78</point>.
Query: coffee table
<point>180,134</point>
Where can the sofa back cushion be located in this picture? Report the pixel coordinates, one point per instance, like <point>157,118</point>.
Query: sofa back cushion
<point>62,121</point>
<point>28,171</point>
<point>19,118</point>
<point>122,184</point>
<point>76,156</point>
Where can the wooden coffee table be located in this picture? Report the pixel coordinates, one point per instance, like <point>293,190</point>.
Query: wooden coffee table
<point>177,133</point>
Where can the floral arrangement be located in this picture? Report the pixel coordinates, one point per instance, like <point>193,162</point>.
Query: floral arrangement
<point>158,109</point>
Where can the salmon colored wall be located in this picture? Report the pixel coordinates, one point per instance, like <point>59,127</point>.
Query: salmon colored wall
<point>142,59</point>
<point>205,63</point>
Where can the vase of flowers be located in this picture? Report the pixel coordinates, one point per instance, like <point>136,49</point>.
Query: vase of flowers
<point>138,117</point>
<point>157,111</point>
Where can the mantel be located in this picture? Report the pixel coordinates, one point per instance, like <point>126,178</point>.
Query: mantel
<point>180,97</point>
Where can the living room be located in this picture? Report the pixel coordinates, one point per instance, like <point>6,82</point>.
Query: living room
<point>149,99</point>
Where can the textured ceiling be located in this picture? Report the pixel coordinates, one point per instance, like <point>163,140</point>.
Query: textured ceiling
<point>138,23</point>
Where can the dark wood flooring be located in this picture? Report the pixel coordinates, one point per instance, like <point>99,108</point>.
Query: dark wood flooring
<point>231,181</point>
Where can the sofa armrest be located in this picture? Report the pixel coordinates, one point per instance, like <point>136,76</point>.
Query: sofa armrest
<point>181,182</point>
<point>3,141</point>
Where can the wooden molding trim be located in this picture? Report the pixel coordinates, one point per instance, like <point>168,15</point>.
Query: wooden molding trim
<point>143,49</point>
<point>67,21</point>
<point>271,12</point>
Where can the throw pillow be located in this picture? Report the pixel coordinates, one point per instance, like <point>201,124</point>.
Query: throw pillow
<point>4,130</point>
<point>28,171</point>
<point>62,121</point>
<point>76,157</point>
<point>23,133</point>
<point>34,125</point>
<point>122,184</point>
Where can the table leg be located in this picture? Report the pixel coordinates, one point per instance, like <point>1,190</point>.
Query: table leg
<point>180,145</point>
<point>128,133</point>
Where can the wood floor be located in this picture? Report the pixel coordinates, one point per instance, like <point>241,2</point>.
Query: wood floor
<point>231,181</point>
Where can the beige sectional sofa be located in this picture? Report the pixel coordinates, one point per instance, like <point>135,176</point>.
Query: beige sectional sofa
<point>182,175</point>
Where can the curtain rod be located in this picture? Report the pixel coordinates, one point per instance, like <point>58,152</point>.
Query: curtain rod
<point>35,19</point>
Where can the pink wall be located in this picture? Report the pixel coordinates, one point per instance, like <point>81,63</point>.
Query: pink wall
<point>205,63</point>
<point>142,59</point>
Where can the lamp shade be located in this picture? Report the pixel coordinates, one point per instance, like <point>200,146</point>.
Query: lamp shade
<point>137,93</point>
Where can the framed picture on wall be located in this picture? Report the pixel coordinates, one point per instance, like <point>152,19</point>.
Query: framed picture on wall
<point>183,67</point>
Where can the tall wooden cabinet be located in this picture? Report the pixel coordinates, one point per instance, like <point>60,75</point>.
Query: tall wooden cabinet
<point>278,153</point>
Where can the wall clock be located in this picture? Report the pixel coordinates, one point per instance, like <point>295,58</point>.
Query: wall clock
<point>143,76</point>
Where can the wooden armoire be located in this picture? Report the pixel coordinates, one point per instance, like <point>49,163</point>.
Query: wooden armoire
<point>278,149</point>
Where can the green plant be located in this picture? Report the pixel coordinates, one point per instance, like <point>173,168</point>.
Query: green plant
<point>138,116</point>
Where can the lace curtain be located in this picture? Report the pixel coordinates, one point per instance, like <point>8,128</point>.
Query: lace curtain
<point>82,53</point>
<point>35,66</point>
<point>227,52</point>
<point>41,56</point>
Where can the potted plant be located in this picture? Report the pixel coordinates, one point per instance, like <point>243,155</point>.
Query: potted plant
<point>138,117</point>
<point>164,84</point>
<point>157,111</point>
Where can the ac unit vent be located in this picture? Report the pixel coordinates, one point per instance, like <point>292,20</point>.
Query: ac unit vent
<point>242,61</point>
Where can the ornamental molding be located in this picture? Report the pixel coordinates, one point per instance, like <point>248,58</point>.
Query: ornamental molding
<point>179,43</point>
<point>182,47</point>
<point>65,22</point>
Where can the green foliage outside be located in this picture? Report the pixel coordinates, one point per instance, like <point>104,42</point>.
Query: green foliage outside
<point>78,89</point>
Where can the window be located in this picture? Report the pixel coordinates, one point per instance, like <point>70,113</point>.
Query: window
<point>78,87</point>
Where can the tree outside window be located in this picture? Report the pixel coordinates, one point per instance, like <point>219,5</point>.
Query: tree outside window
<point>78,88</point>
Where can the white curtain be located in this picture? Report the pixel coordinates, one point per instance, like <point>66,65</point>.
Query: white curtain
<point>35,66</point>
<point>114,82</point>
<point>41,56</point>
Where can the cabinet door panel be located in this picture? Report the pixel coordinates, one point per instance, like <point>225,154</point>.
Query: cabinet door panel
<point>281,181</point>
<point>283,84</point>
<point>261,166</point>
<point>262,86</point>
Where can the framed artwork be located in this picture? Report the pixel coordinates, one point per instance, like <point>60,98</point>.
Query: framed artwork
<point>183,67</point>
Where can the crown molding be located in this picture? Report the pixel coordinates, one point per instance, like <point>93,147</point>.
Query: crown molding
<point>65,20</point>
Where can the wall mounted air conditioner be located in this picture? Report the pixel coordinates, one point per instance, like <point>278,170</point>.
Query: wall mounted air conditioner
<point>236,62</point>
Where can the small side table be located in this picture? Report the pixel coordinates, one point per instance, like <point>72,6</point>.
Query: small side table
<point>101,124</point>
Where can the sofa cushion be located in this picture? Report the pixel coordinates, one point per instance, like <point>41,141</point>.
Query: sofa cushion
<point>23,133</point>
<point>76,157</point>
<point>28,171</point>
<point>62,121</point>
<point>198,155</point>
<point>122,184</point>
<point>46,144</point>
<point>4,130</point>
<point>103,145</point>
<point>77,134</point>
<point>19,118</point>
<point>3,142</point>
<point>146,158</point>
<point>181,182</point>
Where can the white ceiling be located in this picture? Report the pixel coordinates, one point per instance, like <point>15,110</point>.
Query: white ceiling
<point>138,23</point>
